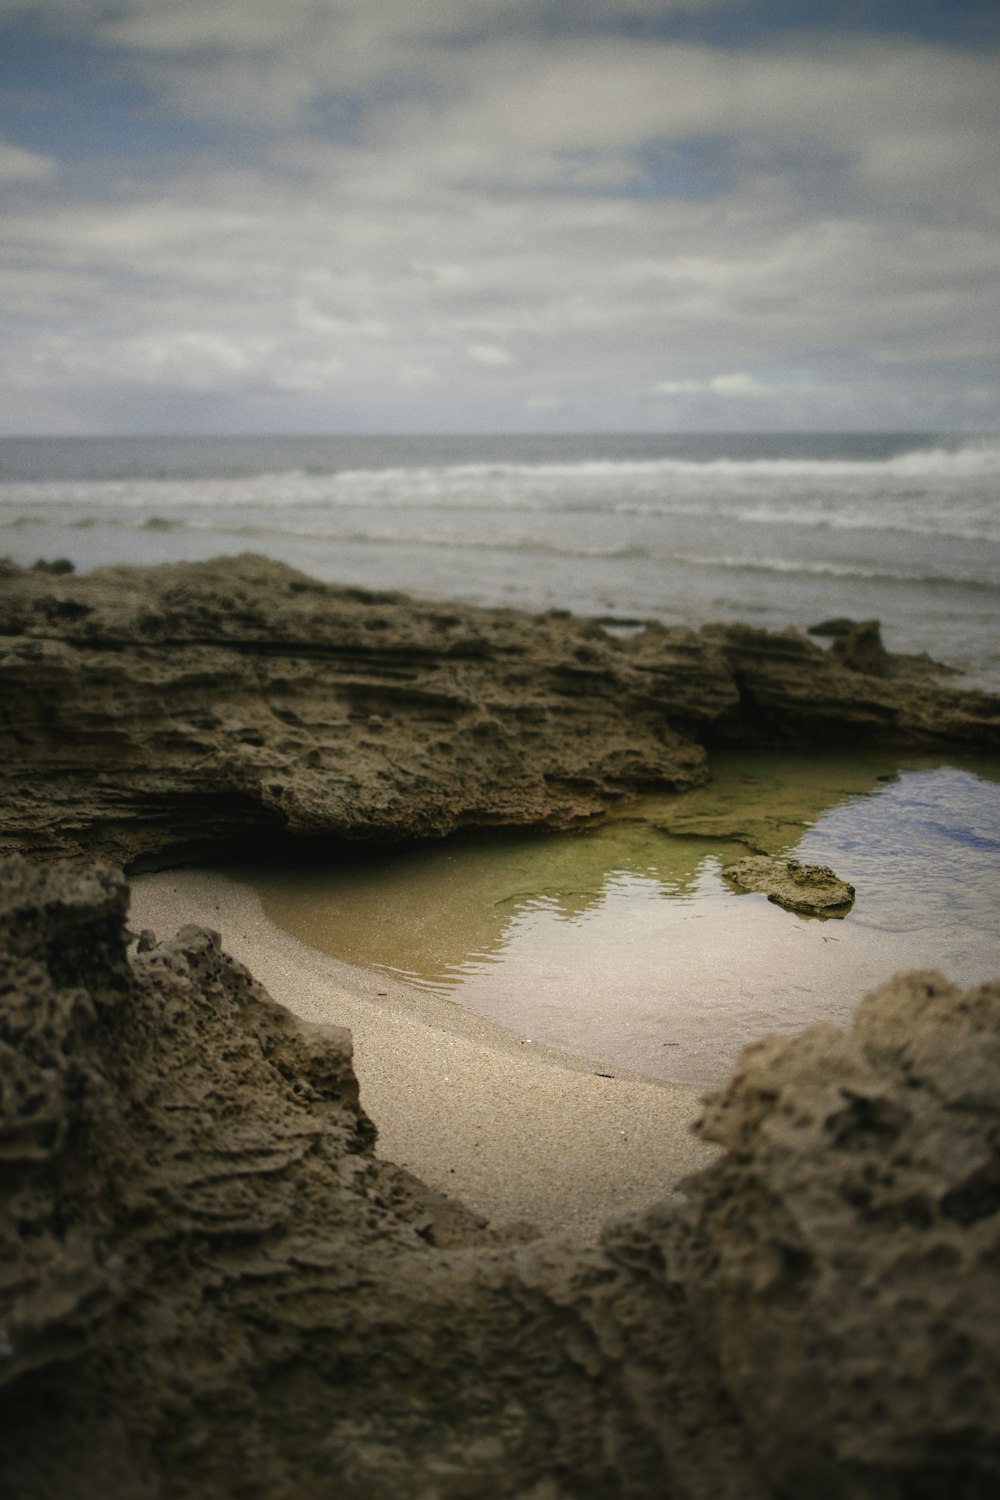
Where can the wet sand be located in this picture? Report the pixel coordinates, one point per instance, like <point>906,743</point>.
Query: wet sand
<point>516,1131</point>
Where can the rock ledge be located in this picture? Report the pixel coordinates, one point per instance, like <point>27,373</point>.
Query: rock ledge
<point>157,715</point>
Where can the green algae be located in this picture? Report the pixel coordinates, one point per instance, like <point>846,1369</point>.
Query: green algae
<point>768,801</point>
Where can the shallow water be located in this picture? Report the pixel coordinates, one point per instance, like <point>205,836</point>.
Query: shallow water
<point>623,944</point>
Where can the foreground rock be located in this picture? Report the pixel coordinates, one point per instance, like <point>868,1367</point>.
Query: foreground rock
<point>210,1286</point>
<point>843,1257</point>
<point>813,890</point>
<point>153,715</point>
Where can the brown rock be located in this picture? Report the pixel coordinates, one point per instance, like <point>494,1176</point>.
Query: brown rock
<point>152,715</point>
<point>857,644</point>
<point>811,889</point>
<point>167,713</point>
<point>210,1286</point>
<point>845,1253</point>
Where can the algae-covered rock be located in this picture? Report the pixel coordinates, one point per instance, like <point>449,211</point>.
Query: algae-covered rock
<point>813,890</point>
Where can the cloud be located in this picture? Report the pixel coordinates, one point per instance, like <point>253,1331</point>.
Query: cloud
<point>490,355</point>
<point>678,388</point>
<point>267,62</point>
<point>18,165</point>
<point>739,385</point>
<point>393,206</point>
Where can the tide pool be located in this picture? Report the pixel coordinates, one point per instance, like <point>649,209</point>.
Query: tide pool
<point>622,944</point>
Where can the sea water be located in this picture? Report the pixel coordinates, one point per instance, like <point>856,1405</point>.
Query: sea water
<point>624,944</point>
<point>778,530</point>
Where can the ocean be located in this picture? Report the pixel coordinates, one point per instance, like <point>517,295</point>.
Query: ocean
<point>775,529</point>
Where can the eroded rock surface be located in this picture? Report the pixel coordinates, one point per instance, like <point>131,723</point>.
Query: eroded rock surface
<point>843,1257</point>
<point>153,714</point>
<point>858,644</point>
<point>210,1286</point>
<point>813,890</point>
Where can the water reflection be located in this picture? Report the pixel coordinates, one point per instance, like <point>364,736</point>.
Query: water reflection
<point>436,916</point>
<point>938,856</point>
<point>621,943</point>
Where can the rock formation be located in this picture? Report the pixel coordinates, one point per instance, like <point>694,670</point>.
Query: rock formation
<point>813,890</point>
<point>210,1286</point>
<point>151,715</point>
<point>858,644</point>
<point>844,1255</point>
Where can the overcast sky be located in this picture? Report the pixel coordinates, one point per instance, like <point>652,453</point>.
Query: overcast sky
<point>499,215</point>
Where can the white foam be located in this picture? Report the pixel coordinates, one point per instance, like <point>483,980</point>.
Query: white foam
<point>533,485</point>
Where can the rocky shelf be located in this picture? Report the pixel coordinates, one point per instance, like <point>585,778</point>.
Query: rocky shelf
<point>157,714</point>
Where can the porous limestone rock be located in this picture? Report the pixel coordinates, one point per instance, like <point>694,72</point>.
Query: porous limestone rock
<point>858,644</point>
<point>150,715</point>
<point>210,1286</point>
<point>813,890</point>
<point>843,1256</point>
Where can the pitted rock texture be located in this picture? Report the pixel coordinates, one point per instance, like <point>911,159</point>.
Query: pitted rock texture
<point>210,1286</point>
<point>813,890</point>
<point>153,715</point>
<point>843,1257</point>
<point>858,644</point>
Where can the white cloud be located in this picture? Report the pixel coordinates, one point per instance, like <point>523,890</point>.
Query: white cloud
<point>415,375</point>
<point>298,374</point>
<point>490,355</point>
<point>739,385</point>
<point>18,165</point>
<point>592,220</point>
<point>678,388</point>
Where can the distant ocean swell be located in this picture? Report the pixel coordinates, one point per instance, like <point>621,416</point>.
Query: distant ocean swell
<point>782,529</point>
<point>963,459</point>
<point>932,492</point>
<point>260,536</point>
<point>976,459</point>
<point>51,505</point>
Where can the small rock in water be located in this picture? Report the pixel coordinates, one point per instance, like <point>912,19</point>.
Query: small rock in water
<point>811,889</point>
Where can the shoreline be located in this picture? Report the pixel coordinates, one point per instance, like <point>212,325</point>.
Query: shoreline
<point>517,1132</point>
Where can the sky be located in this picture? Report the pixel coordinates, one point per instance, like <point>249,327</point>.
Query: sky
<point>499,215</point>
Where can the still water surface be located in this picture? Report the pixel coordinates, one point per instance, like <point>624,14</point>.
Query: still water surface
<point>623,944</point>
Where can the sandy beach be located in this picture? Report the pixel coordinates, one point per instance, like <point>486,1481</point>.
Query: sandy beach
<point>516,1131</point>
